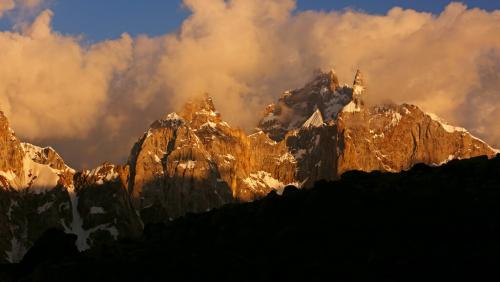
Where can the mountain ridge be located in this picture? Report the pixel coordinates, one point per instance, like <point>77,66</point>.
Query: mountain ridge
<point>193,161</point>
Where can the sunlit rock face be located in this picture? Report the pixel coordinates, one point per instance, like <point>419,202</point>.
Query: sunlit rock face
<point>350,135</point>
<point>193,161</point>
<point>39,191</point>
<point>33,195</point>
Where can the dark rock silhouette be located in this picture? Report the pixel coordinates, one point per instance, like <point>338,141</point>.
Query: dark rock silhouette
<point>53,245</point>
<point>439,222</point>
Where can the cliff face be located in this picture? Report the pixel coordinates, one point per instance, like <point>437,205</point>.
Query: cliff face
<point>192,161</point>
<point>39,191</point>
<point>395,137</point>
<point>349,135</point>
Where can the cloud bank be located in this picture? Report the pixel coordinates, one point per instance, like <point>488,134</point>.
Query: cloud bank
<point>93,101</point>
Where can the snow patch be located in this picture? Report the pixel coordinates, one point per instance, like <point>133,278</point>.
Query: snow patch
<point>262,179</point>
<point>76,227</point>
<point>447,127</point>
<point>97,210</point>
<point>173,117</point>
<point>396,118</point>
<point>286,157</point>
<point>450,157</point>
<point>351,108</point>
<point>229,157</point>
<point>315,120</point>
<point>157,159</point>
<point>357,89</point>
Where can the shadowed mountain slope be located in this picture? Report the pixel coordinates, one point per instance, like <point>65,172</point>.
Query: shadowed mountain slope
<point>439,221</point>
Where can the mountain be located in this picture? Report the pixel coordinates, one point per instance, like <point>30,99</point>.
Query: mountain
<point>407,226</point>
<point>360,137</point>
<point>193,161</point>
<point>39,191</point>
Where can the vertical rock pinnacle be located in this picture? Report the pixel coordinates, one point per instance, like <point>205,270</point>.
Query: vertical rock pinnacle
<point>358,89</point>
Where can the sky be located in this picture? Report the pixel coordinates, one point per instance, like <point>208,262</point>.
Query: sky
<point>88,77</point>
<point>98,20</point>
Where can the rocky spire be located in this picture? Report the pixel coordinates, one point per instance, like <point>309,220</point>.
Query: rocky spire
<point>358,88</point>
<point>199,110</point>
<point>334,80</point>
<point>11,153</point>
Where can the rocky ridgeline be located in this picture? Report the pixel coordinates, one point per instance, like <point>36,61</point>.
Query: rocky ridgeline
<point>192,161</point>
<point>39,191</point>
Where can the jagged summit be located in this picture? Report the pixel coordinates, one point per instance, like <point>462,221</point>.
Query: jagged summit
<point>358,84</point>
<point>294,107</point>
<point>200,110</point>
<point>334,80</point>
<point>358,89</point>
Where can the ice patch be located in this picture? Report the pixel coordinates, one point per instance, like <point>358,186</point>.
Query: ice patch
<point>447,127</point>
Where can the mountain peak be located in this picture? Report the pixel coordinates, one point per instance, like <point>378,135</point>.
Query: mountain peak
<point>334,80</point>
<point>200,110</point>
<point>358,89</point>
<point>358,78</point>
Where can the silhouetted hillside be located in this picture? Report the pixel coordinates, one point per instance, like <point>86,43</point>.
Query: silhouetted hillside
<point>428,222</point>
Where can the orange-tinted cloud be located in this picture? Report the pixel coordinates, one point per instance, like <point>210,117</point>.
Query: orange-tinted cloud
<point>245,53</point>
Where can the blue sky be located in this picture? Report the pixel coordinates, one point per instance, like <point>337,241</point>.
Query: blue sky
<point>102,19</point>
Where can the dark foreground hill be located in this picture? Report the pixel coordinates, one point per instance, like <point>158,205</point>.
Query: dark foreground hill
<point>428,222</point>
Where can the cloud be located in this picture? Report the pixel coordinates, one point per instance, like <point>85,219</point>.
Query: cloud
<point>22,5</point>
<point>93,101</point>
<point>50,85</point>
<point>6,5</point>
